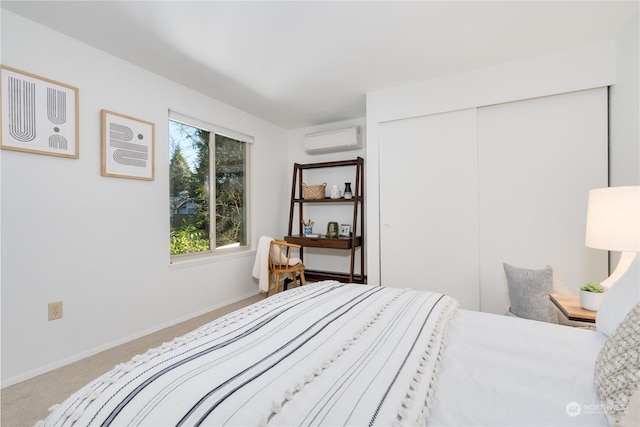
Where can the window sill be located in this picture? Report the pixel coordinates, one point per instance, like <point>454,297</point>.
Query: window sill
<point>210,258</point>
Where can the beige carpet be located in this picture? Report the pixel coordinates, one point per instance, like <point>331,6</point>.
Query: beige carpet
<point>25,403</point>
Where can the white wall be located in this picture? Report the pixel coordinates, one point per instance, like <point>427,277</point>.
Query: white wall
<point>624,109</point>
<point>316,258</point>
<point>101,244</point>
<point>566,71</point>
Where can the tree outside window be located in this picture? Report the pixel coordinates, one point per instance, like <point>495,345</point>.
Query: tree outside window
<point>190,169</point>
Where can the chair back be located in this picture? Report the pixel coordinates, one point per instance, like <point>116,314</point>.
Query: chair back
<point>281,263</point>
<point>279,254</point>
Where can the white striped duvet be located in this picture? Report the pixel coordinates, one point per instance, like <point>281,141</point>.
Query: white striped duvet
<point>323,354</point>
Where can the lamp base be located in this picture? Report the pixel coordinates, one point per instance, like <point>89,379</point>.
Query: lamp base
<point>626,258</point>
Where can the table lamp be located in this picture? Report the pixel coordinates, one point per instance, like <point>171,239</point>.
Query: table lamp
<point>613,224</point>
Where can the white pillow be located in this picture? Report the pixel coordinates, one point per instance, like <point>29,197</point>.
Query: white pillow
<point>619,300</point>
<point>279,257</point>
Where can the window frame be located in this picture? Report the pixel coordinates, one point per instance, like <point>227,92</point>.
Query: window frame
<point>248,165</point>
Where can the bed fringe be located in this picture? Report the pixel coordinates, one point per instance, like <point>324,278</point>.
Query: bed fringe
<point>437,339</point>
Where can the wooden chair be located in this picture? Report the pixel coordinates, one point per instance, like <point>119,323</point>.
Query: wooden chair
<point>282,264</point>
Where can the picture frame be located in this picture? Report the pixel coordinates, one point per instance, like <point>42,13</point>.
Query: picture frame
<point>39,115</point>
<point>345,230</point>
<point>128,147</point>
<point>332,229</point>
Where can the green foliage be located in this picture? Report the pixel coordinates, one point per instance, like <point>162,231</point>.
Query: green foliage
<point>179,173</point>
<point>230,184</point>
<point>189,187</point>
<point>188,240</point>
<point>593,287</point>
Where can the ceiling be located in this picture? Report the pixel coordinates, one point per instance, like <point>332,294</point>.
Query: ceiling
<point>304,63</point>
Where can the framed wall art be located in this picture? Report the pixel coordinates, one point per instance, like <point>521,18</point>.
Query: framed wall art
<point>39,115</point>
<point>127,147</point>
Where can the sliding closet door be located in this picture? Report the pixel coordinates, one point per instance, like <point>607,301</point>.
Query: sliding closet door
<point>429,205</point>
<point>537,160</point>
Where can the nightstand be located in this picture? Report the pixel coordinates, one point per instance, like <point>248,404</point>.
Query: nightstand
<point>569,305</point>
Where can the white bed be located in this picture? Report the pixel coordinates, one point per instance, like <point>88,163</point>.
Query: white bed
<point>346,354</point>
<point>504,371</point>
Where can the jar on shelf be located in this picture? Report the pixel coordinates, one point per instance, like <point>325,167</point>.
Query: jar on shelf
<point>335,192</point>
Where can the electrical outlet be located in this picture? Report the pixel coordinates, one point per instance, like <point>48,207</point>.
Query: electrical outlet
<point>55,310</point>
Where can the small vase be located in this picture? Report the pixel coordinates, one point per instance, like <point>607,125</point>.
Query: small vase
<point>308,229</point>
<point>347,191</point>
<point>335,192</point>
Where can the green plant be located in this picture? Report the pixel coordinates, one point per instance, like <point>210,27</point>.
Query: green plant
<point>593,287</point>
<point>188,240</point>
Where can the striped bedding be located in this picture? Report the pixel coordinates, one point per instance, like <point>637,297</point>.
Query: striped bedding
<point>323,354</point>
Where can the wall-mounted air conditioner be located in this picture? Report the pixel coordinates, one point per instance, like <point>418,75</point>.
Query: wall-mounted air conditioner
<point>332,141</point>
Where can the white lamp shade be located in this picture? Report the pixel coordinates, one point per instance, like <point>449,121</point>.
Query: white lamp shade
<point>613,219</point>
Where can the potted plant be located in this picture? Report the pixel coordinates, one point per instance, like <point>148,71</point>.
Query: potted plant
<point>591,296</point>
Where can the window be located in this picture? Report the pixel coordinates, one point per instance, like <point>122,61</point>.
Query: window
<point>207,215</point>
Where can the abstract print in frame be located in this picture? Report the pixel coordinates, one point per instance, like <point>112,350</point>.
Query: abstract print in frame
<point>39,115</point>
<point>127,147</point>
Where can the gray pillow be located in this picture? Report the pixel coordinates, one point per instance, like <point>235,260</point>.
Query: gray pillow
<point>529,293</point>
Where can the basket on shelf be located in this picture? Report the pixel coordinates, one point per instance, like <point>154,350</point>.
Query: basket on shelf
<point>313,192</point>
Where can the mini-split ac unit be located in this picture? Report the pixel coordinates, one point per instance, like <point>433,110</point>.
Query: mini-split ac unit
<point>332,141</point>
